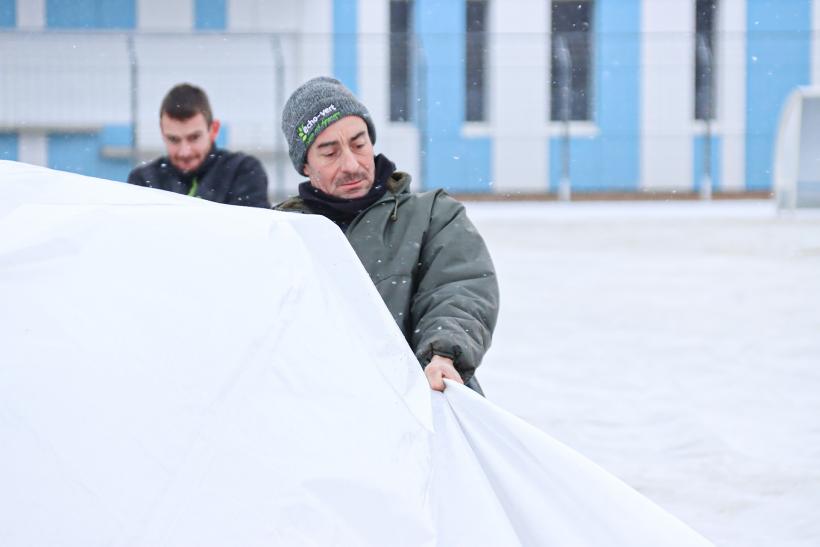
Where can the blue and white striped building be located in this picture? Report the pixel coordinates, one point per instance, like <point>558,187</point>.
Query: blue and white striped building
<point>81,82</point>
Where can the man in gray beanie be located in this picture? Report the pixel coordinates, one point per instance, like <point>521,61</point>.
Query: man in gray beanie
<point>426,258</point>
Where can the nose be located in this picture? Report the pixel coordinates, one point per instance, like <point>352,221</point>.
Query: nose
<point>348,161</point>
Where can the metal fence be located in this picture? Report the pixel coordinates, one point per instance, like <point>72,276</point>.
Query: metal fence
<point>73,98</point>
<point>110,85</point>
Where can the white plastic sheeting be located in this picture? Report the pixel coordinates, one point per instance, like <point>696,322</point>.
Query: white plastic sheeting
<point>179,372</point>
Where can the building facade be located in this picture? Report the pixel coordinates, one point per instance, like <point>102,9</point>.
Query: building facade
<point>484,96</point>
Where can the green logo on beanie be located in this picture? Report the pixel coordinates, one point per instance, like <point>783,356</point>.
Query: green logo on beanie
<point>308,131</point>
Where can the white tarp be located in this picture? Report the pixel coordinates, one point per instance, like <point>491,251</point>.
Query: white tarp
<point>178,372</point>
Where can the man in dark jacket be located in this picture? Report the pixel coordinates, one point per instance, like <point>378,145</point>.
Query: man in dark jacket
<point>194,165</point>
<point>426,258</point>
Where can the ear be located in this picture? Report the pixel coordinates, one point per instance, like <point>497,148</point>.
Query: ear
<point>213,131</point>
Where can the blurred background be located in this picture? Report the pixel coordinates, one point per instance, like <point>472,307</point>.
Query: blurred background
<point>477,96</point>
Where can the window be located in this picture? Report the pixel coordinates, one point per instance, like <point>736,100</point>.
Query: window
<point>571,45</point>
<point>400,59</point>
<point>705,17</point>
<point>475,65</point>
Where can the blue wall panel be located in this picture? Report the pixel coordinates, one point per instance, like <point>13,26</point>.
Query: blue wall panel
<point>778,60</point>
<point>70,14</point>
<point>81,153</point>
<point>117,135</point>
<point>107,14</point>
<point>8,13</point>
<point>611,160</point>
<point>210,15</point>
<point>449,160</point>
<point>697,161</point>
<point>224,135</point>
<point>9,146</point>
<point>345,43</point>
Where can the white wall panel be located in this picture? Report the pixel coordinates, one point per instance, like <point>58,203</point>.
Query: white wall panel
<point>31,14</point>
<point>316,37</point>
<point>374,58</point>
<point>731,100</point>
<point>162,15</point>
<point>64,80</point>
<point>267,16</point>
<point>307,45</point>
<point>33,147</point>
<point>667,91</point>
<point>519,53</point>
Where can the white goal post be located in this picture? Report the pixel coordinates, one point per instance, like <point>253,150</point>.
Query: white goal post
<point>797,151</point>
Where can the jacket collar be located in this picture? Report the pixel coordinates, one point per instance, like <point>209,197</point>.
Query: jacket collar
<point>397,184</point>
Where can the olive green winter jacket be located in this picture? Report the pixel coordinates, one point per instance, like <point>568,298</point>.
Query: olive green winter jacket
<point>432,269</point>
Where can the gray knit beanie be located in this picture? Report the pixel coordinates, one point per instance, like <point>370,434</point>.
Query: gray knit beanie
<point>317,104</point>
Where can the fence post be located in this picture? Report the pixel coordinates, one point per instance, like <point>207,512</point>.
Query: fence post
<point>564,60</point>
<point>280,154</point>
<point>704,53</point>
<point>132,57</point>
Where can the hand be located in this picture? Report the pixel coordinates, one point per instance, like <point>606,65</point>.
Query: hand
<point>440,368</point>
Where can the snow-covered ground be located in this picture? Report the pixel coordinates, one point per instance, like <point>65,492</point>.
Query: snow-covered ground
<point>675,344</point>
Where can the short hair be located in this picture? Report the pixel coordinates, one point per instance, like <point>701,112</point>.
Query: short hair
<point>185,101</point>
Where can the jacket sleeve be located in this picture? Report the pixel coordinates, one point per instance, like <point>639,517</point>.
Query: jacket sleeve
<point>250,184</point>
<point>455,305</point>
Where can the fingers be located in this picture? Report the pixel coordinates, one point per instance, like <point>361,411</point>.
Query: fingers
<point>438,370</point>
<point>452,374</point>
<point>435,377</point>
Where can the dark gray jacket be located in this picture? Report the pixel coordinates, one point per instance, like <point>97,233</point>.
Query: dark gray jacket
<point>432,269</point>
<point>225,177</point>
